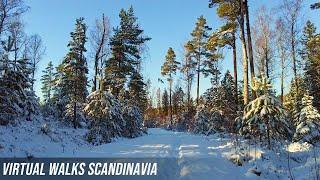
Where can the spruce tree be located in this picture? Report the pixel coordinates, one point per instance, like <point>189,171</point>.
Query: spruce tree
<point>105,114</point>
<point>308,128</point>
<point>137,91</point>
<point>17,98</point>
<point>265,116</point>
<point>311,56</point>
<point>48,82</point>
<point>177,101</point>
<point>74,70</point>
<point>229,98</point>
<point>165,102</point>
<point>169,69</point>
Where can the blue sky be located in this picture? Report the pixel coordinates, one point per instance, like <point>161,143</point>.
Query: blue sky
<point>167,22</point>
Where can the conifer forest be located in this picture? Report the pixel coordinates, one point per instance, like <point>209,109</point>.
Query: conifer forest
<point>242,90</point>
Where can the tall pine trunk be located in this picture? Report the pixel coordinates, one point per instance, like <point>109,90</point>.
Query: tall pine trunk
<point>282,74</point>
<point>235,71</point>
<point>198,78</point>
<point>245,56</point>
<point>170,101</point>
<point>267,60</point>
<point>245,4</point>
<point>75,114</point>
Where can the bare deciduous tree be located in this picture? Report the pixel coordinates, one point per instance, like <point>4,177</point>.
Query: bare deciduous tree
<point>99,38</point>
<point>263,39</point>
<point>291,11</point>
<point>10,9</point>
<point>36,50</point>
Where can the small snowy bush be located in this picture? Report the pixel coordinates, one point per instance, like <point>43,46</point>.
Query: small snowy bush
<point>69,114</point>
<point>308,129</point>
<point>105,114</point>
<point>201,120</point>
<point>208,122</point>
<point>134,121</point>
<point>45,129</point>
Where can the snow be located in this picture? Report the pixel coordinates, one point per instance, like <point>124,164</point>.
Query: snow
<point>198,156</point>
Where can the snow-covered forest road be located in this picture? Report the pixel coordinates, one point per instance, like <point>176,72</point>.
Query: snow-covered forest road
<point>194,156</point>
<point>200,157</point>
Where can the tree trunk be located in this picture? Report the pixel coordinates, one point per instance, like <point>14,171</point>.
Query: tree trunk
<point>98,55</point>
<point>75,115</point>
<point>294,60</point>
<point>170,102</point>
<point>249,44</point>
<point>245,57</point>
<point>235,71</point>
<point>198,79</point>
<point>282,76</point>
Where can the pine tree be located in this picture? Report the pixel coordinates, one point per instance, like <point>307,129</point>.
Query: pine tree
<point>234,11</point>
<point>74,69</point>
<point>125,52</point>
<point>198,46</point>
<point>226,36</point>
<point>308,129</point>
<point>201,121</point>
<point>169,69</point>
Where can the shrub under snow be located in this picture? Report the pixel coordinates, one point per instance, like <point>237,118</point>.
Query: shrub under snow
<point>308,129</point>
<point>105,113</point>
<point>207,122</point>
<point>134,121</point>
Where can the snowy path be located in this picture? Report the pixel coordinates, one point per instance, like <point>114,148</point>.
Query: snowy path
<point>199,157</point>
<point>194,156</point>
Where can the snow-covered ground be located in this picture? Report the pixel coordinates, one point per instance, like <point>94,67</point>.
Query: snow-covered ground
<point>199,157</point>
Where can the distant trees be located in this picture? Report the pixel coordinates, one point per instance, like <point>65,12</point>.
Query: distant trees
<point>169,68</point>
<point>48,83</point>
<point>165,103</point>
